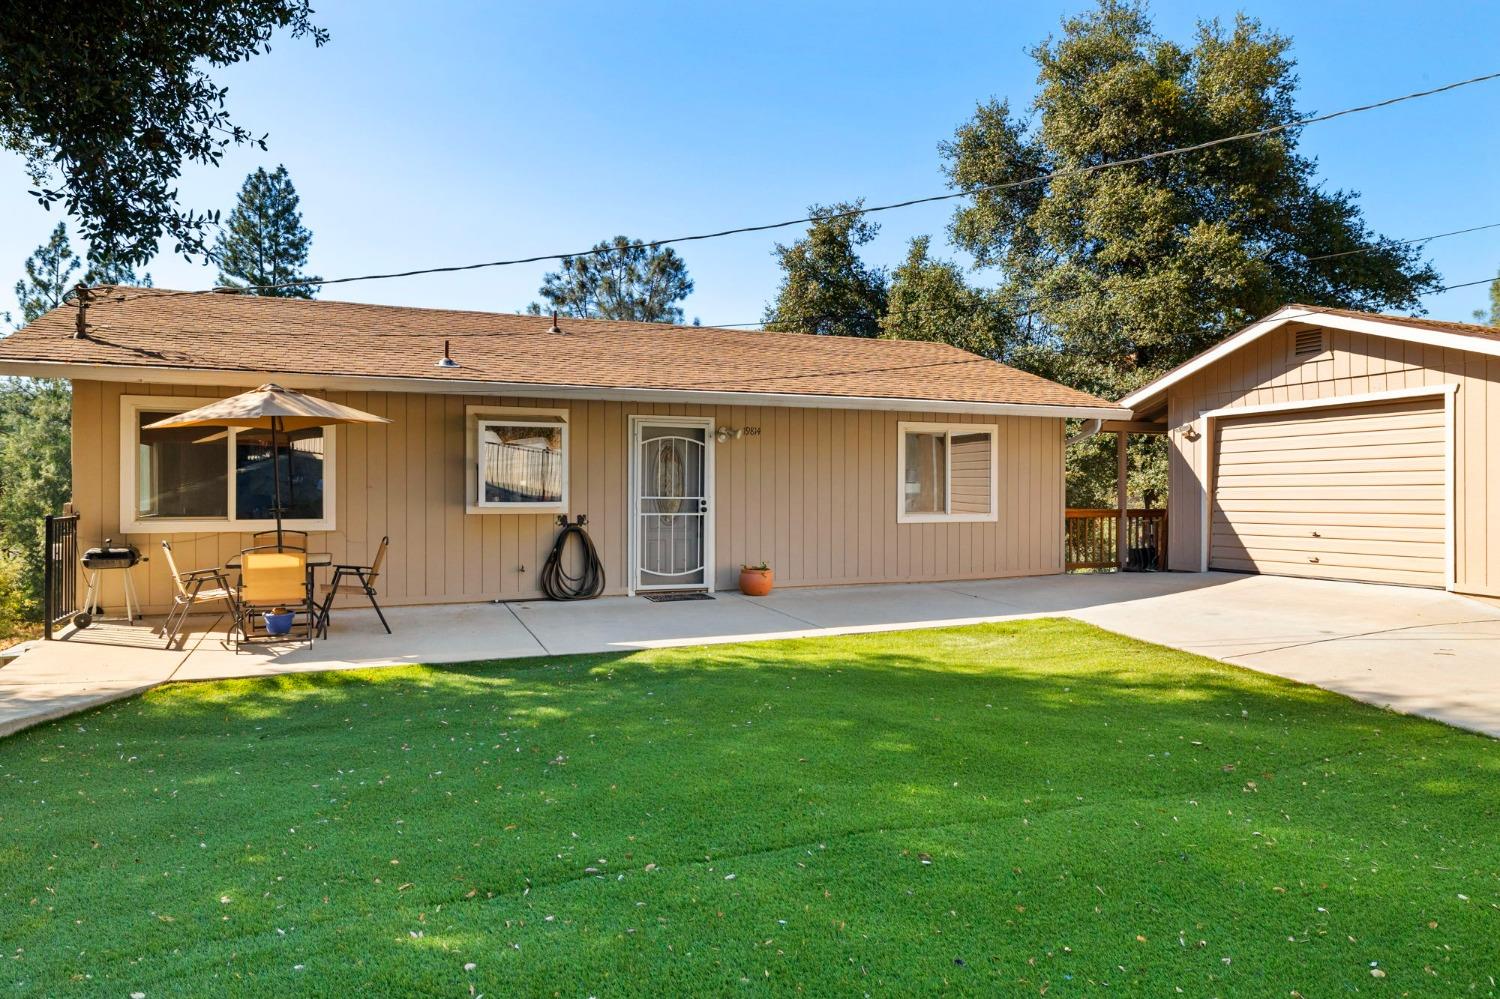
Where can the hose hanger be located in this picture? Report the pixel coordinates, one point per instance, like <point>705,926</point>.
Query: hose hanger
<point>557,582</point>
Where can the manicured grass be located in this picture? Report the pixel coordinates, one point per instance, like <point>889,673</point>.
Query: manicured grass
<point>1026,808</point>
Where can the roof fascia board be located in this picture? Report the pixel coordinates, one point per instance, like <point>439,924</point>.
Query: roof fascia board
<point>1280,318</point>
<point>448,386</point>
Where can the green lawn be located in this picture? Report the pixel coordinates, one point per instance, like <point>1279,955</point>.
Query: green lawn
<point>1026,808</point>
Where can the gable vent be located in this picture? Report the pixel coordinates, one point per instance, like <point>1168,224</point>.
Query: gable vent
<point>1307,343</point>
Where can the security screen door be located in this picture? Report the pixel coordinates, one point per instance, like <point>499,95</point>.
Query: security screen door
<point>671,486</point>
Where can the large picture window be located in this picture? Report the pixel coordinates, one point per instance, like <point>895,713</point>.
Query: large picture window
<point>947,473</point>
<point>202,478</point>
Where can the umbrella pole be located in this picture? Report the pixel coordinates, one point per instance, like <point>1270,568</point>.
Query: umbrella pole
<point>276,480</point>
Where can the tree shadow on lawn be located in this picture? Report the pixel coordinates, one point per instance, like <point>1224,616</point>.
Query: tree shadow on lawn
<point>1049,747</point>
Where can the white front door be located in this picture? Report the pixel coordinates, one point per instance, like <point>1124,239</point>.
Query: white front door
<point>671,502</point>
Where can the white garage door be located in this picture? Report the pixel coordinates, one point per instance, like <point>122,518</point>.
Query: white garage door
<point>1353,492</point>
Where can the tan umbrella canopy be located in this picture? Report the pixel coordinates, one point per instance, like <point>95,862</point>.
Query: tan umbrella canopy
<point>272,408</point>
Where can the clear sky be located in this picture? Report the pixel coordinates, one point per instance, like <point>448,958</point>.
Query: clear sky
<point>445,133</point>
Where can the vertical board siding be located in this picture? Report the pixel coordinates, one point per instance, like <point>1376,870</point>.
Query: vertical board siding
<point>813,493</point>
<point>1266,372</point>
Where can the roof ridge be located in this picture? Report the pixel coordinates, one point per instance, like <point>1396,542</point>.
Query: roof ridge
<point>144,292</point>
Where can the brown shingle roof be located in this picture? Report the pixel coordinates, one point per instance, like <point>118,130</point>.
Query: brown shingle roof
<point>1415,322</point>
<point>160,329</point>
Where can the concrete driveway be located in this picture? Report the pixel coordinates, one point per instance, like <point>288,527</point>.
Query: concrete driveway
<point>1417,651</point>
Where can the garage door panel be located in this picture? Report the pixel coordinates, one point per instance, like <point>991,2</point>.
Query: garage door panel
<point>1372,420</point>
<point>1326,548</point>
<point>1372,438</point>
<point>1398,577</point>
<point>1351,493</point>
<point>1393,471</point>
<point>1236,505</point>
<point>1369,452</point>
<point>1378,530</point>
<point>1352,482</point>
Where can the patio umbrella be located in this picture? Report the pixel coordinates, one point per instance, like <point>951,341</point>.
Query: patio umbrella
<point>272,408</point>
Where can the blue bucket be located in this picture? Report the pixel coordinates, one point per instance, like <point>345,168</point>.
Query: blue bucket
<point>278,624</point>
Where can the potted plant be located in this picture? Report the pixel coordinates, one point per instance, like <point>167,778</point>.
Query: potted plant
<point>756,580</point>
<point>278,621</point>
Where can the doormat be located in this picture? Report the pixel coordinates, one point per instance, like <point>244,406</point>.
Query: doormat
<point>667,598</point>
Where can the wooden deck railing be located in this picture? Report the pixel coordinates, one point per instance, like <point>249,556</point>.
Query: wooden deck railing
<point>1092,536</point>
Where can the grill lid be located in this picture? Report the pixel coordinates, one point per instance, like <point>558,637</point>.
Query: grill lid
<point>111,557</point>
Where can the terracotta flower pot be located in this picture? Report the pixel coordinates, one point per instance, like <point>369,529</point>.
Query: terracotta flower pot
<point>755,582</point>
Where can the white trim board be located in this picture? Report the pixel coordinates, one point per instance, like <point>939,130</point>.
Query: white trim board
<point>146,374</point>
<point>1448,392</point>
<point>1282,317</point>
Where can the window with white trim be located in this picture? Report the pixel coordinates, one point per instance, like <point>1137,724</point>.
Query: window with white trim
<point>948,472</point>
<point>521,464</point>
<point>202,478</point>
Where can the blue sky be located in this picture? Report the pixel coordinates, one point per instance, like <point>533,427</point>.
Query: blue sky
<point>484,131</point>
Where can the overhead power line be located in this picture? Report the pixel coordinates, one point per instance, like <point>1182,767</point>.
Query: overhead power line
<point>1027,312</point>
<point>1370,247</point>
<point>908,203</point>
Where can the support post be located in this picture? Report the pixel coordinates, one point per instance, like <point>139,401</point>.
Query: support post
<point>1122,497</point>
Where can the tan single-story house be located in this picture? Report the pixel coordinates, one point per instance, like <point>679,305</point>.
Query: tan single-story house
<point>690,450</point>
<point>1335,444</point>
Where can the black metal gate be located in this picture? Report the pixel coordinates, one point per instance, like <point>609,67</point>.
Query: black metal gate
<point>60,573</point>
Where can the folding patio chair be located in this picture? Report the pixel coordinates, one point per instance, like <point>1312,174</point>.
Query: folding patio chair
<point>271,578</point>
<point>354,579</point>
<point>290,539</point>
<point>201,586</point>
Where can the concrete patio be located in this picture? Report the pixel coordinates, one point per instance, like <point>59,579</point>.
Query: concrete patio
<point>1417,651</point>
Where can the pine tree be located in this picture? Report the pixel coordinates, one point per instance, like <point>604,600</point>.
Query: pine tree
<point>49,276</point>
<point>264,242</point>
<point>619,280</point>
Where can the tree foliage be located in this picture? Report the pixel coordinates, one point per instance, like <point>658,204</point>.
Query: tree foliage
<point>49,275</point>
<point>1128,271</point>
<point>50,270</point>
<point>825,287</point>
<point>35,480</point>
<point>619,280</point>
<point>36,429</point>
<point>264,242</point>
<point>106,99</point>
<point>1123,273</point>
<point>931,300</point>
<point>1492,317</point>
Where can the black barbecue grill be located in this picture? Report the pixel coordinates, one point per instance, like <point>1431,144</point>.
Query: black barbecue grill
<point>108,558</point>
<point>116,557</point>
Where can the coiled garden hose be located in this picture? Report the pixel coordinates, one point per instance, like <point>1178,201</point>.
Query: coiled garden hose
<point>557,583</point>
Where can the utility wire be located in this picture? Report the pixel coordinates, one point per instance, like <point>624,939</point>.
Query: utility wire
<point>1028,313</point>
<point>1370,247</point>
<point>971,192</point>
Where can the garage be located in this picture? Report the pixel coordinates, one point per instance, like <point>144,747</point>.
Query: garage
<point>1343,492</point>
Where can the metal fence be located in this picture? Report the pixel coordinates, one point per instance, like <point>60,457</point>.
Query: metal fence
<point>60,571</point>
